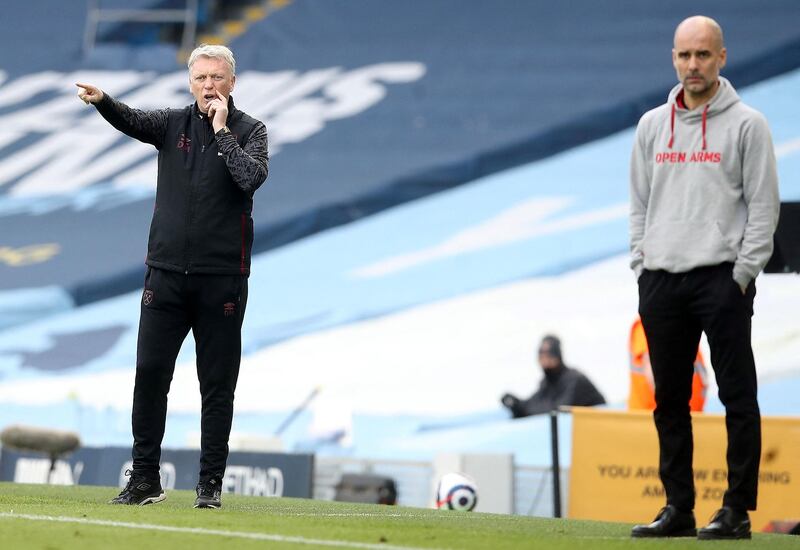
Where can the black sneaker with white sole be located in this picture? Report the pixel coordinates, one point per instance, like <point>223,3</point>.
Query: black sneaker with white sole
<point>209,493</point>
<point>139,491</point>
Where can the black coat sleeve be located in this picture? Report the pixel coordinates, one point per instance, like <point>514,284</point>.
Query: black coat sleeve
<point>248,165</point>
<point>539,403</point>
<point>145,126</point>
<point>573,388</point>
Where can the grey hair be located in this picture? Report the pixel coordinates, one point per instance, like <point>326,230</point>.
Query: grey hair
<point>214,51</point>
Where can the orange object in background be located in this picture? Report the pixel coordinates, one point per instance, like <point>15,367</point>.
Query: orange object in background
<point>642,393</point>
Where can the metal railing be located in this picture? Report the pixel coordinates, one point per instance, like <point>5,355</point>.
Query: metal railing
<point>97,14</point>
<point>533,485</point>
<point>413,478</point>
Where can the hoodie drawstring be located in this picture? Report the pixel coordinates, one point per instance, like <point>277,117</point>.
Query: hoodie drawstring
<point>672,127</point>
<point>705,117</point>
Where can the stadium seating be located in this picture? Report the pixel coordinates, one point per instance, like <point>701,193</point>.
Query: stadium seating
<point>369,105</point>
<point>481,156</point>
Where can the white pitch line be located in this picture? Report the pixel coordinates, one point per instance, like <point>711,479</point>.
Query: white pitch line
<point>348,515</point>
<point>201,531</point>
<point>445,514</point>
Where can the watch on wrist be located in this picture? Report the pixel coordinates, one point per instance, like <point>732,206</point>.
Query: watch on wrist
<point>224,130</point>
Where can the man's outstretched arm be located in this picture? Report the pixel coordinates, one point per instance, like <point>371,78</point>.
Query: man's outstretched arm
<point>146,126</point>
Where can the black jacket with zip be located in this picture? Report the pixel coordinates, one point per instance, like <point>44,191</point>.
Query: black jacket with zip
<point>202,222</point>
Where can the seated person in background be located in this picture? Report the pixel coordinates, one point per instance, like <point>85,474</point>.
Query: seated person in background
<point>561,385</point>
<point>643,395</point>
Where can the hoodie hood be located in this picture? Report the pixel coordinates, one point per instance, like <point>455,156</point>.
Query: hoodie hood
<point>723,100</point>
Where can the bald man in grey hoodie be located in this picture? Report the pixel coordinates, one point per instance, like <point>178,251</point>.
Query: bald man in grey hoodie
<point>704,207</point>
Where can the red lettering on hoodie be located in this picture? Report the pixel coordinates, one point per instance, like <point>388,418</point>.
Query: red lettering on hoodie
<point>670,157</point>
<point>706,156</point>
<point>680,157</point>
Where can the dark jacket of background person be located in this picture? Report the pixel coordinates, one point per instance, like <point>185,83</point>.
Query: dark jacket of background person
<point>561,387</point>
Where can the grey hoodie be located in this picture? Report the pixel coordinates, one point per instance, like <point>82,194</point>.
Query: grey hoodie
<point>704,187</point>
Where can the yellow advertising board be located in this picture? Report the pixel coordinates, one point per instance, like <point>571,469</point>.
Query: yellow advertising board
<point>614,472</point>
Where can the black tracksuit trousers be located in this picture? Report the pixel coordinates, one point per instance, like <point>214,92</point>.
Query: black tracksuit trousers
<point>213,307</point>
<point>675,309</point>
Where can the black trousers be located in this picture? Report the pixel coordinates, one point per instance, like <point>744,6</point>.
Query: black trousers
<point>213,307</point>
<point>675,309</point>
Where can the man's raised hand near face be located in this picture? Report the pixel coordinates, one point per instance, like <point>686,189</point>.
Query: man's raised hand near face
<point>218,111</point>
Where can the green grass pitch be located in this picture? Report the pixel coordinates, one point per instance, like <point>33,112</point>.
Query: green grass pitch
<point>66,518</point>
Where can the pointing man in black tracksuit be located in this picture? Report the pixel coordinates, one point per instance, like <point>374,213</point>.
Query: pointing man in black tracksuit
<point>212,158</point>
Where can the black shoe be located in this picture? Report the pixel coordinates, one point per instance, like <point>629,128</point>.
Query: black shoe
<point>727,523</point>
<point>139,491</point>
<point>670,522</point>
<point>209,493</point>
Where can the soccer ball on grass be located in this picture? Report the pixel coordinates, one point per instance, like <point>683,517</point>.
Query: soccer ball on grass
<point>456,492</point>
